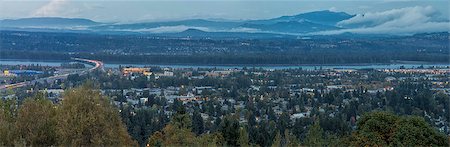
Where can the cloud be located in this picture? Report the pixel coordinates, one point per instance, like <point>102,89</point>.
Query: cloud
<point>52,8</point>
<point>399,17</point>
<point>402,21</point>
<point>243,29</point>
<point>409,30</point>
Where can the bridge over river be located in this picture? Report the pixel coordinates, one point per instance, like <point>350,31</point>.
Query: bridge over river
<point>95,63</point>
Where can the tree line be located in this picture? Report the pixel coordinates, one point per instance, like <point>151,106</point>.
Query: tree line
<point>238,59</point>
<point>87,118</point>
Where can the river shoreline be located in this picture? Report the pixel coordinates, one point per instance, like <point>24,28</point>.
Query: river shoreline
<point>395,64</point>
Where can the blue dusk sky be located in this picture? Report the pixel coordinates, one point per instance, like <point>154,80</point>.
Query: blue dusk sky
<point>151,10</point>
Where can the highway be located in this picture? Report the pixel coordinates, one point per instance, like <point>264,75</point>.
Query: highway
<point>98,65</point>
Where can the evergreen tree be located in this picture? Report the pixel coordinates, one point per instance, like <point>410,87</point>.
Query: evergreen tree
<point>277,140</point>
<point>176,133</point>
<point>142,125</point>
<point>314,137</point>
<point>290,139</point>
<point>178,106</point>
<point>197,123</point>
<point>230,130</point>
<point>243,138</point>
<point>283,122</point>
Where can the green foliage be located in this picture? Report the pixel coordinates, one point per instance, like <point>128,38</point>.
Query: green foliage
<point>156,139</point>
<point>243,137</point>
<point>181,120</point>
<point>36,121</point>
<point>197,123</point>
<point>214,139</point>
<point>414,131</point>
<point>290,139</point>
<point>179,133</point>
<point>376,128</point>
<point>277,140</point>
<point>176,136</point>
<point>86,118</point>
<point>143,123</point>
<point>387,129</point>
<point>176,133</point>
<point>314,136</point>
<point>7,118</point>
<point>229,127</point>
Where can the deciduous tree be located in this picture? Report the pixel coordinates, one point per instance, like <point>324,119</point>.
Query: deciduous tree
<point>36,121</point>
<point>387,129</point>
<point>86,118</point>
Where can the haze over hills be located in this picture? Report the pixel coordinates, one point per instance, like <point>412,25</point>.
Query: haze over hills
<point>302,23</point>
<point>311,23</point>
<point>47,22</point>
<point>325,17</point>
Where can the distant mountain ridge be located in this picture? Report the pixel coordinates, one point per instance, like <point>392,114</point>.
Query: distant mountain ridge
<point>47,22</point>
<point>304,24</point>
<point>296,24</point>
<point>189,22</point>
<point>325,17</point>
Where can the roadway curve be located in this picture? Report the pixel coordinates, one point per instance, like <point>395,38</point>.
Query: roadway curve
<point>98,65</point>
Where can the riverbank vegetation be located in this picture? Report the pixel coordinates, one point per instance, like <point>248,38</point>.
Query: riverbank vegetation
<point>149,49</point>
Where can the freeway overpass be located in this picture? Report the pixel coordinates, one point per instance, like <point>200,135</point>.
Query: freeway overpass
<point>97,65</point>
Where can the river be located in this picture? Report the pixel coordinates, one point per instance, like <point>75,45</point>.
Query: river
<point>307,67</point>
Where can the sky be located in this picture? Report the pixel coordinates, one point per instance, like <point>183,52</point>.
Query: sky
<point>126,11</point>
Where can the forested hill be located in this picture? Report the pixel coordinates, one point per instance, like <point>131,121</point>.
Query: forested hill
<point>340,49</point>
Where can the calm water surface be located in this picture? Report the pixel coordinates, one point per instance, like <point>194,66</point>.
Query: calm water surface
<point>307,67</point>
